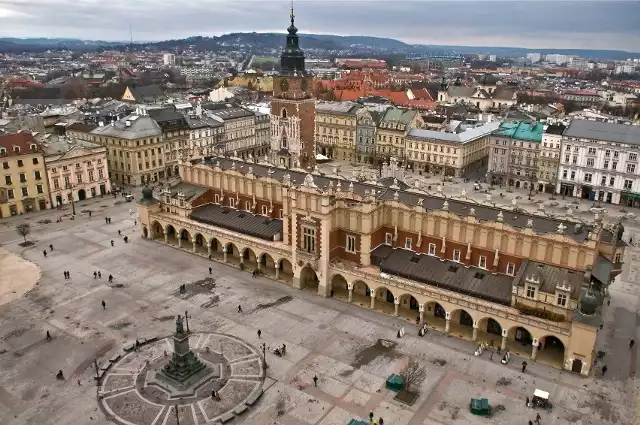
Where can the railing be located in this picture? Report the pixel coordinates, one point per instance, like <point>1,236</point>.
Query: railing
<point>307,257</point>
<point>453,298</point>
<point>206,229</point>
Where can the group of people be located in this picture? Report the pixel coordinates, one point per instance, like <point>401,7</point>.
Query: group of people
<point>372,420</point>
<point>183,288</point>
<point>280,351</point>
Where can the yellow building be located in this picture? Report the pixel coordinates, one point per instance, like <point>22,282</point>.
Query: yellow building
<point>336,129</point>
<point>23,187</point>
<point>135,149</point>
<point>392,132</point>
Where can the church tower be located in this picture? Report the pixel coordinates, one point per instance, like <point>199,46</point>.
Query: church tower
<point>293,108</point>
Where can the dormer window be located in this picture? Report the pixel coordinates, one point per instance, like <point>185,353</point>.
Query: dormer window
<point>561,300</point>
<point>216,199</point>
<point>16,149</point>
<point>3,151</point>
<point>34,147</point>
<point>531,291</point>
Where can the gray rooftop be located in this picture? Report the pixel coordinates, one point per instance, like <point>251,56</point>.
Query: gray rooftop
<point>541,224</point>
<point>445,274</point>
<point>465,136</point>
<point>603,131</point>
<point>141,126</point>
<point>238,221</point>
<point>550,276</point>
<point>338,108</point>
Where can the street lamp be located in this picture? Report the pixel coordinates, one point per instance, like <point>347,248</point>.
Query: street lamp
<point>175,409</point>
<point>264,355</point>
<point>186,316</point>
<point>73,205</point>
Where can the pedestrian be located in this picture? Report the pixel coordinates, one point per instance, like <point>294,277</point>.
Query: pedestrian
<point>538,418</point>
<point>370,416</point>
<point>89,213</point>
<point>95,275</point>
<point>135,222</point>
<point>109,220</point>
<point>259,333</point>
<point>608,302</point>
<point>60,375</point>
<point>111,242</point>
<point>601,325</point>
<point>530,422</point>
<point>213,394</point>
<point>604,369</point>
<point>210,270</point>
<point>110,278</point>
<point>380,421</point>
<point>491,355</point>
<point>44,253</point>
<point>524,366</point>
<point>99,275</point>
<point>68,275</point>
<point>64,273</point>
<point>48,336</point>
<point>119,234</point>
<point>631,343</point>
<point>527,401</point>
<point>630,241</point>
<point>51,247</point>
<point>239,309</point>
<point>315,380</point>
<point>106,220</point>
<point>209,257</point>
<point>104,305</point>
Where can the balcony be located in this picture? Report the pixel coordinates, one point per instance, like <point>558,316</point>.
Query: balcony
<point>302,256</point>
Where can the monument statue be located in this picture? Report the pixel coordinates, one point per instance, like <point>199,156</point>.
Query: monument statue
<point>179,325</point>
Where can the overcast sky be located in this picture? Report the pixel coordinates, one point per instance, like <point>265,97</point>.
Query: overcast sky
<point>535,24</point>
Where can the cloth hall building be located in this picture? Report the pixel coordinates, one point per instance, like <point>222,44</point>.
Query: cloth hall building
<point>524,282</point>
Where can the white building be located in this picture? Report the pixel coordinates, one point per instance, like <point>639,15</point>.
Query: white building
<point>76,169</point>
<point>534,57</point>
<point>492,58</point>
<point>221,94</point>
<point>169,59</point>
<point>579,63</point>
<point>599,161</point>
<point>625,69</point>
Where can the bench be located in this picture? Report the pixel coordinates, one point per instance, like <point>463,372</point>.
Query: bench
<point>240,409</point>
<point>227,417</point>
<point>254,397</point>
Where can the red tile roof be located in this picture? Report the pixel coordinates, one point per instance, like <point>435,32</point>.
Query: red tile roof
<point>22,140</point>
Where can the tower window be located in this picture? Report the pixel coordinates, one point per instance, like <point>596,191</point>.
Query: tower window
<point>284,113</point>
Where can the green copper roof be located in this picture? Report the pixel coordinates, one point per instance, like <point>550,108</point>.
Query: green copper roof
<point>528,131</point>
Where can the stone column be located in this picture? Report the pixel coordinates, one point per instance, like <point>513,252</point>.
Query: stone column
<point>534,351</point>
<point>475,331</point>
<point>396,302</point>
<point>447,323</point>
<point>224,253</point>
<point>179,242</point>
<point>277,266</point>
<point>193,241</point>
<point>166,237</point>
<point>421,309</point>
<point>242,258</point>
<point>209,250</point>
<point>258,263</point>
<point>350,288</point>
<point>373,300</point>
<point>503,345</point>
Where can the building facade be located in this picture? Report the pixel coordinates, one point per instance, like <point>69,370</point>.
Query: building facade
<point>135,149</point>
<point>239,126</point>
<point>23,187</point>
<point>599,161</point>
<point>392,131</point>
<point>336,129</point>
<point>293,108</point>
<point>549,159</point>
<point>526,283</point>
<point>367,120</point>
<point>449,153</point>
<point>514,152</point>
<point>77,174</point>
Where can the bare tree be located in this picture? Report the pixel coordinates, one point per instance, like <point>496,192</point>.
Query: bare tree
<point>413,375</point>
<point>23,229</point>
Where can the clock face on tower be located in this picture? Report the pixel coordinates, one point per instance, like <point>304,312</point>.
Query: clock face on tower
<point>284,85</point>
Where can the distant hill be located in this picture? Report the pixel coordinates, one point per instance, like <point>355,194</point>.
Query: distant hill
<point>274,41</point>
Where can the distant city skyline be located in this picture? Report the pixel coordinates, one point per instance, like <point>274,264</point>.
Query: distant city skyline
<point>611,25</point>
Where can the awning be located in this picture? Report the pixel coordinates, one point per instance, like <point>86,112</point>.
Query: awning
<point>630,195</point>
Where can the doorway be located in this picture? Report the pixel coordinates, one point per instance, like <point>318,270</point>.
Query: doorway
<point>576,366</point>
<point>82,195</point>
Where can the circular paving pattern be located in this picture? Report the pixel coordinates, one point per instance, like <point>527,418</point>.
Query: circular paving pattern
<point>130,395</point>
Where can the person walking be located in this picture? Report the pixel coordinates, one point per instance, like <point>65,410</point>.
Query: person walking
<point>68,274</point>
<point>530,422</point>
<point>370,416</point>
<point>111,242</point>
<point>110,278</point>
<point>106,220</point>
<point>538,418</point>
<point>632,342</point>
<point>210,270</point>
<point>99,274</point>
<point>527,401</point>
<point>104,305</point>
<point>95,275</point>
<point>524,366</point>
<point>259,333</point>
<point>239,309</point>
<point>50,247</point>
<point>119,233</point>
<point>44,253</point>
<point>64,273</point>
<point>380,421</point>
<point>315,380</point>
<point>604,369</point>
<point>48,336</point>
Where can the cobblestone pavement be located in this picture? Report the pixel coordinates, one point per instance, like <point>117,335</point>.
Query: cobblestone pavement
<point>350,349</point>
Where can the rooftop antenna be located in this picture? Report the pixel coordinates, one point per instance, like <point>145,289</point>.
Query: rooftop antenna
<point>292,14</point>
<point>130,36</point>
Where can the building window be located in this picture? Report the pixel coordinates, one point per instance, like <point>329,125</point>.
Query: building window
<point>562,300</point>
<point>482,262</point>
<point>247,206</point>
<point>10,194</point>
<point>588,177</point>
<point>37,175</point>
<point>309,239</point>
<point>531,291</point>
<point>592,151</point>
<point>456,255</point>
<point>511,269</point>
<point>216,199</point>
<point>39,188</point>
<point>35,161</point>
<point>590,162</point>
<point>7,180</point>
<point>628,184</point>
<point>23,178</point>
<point>407,243</point>
<point>56,184</point>
<point>633,157</point>
<point>5,165</point>
<point>25,191</point>
<point>432,249</point>
<point>388,238</point>
<point>618,258</point>
<point>351,244</point>
<point>232,202</point>
<point>20,163</point>
<point>264,210</point>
